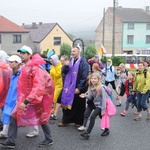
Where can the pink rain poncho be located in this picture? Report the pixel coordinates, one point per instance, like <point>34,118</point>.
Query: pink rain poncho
<point>35,85</point>
<point>5,72</point>
<point>110,111</point>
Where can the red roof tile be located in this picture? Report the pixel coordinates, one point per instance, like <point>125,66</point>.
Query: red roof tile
<point>9,26</point>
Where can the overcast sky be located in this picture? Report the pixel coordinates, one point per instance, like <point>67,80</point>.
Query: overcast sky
<point>73,15</point>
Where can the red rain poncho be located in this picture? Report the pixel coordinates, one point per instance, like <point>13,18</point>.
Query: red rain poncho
<point>5,72</point>
<point>35,85</point>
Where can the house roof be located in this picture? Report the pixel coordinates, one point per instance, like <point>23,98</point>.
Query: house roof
<point>39,31</point>
<point>132,14</point>
<point>9,26</point>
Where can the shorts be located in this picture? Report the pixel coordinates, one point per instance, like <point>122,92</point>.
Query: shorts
<point>122,90</point>
<point>112,84</point>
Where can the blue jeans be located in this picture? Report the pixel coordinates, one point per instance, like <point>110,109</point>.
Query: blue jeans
<point>141,101</point>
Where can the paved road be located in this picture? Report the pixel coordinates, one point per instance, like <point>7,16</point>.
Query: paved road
<point>125,134</point>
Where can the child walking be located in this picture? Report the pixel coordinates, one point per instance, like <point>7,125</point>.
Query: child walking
<point>128,91</point>
<point>98,95</point>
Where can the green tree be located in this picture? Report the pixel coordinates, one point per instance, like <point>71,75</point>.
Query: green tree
<point>65,49</point>
<point>117,60</point>
<point>90,51</point>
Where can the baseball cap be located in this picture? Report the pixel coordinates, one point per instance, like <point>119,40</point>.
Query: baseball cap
<point>108,60</point>
<point>25,49</point>
<point>14,58</point>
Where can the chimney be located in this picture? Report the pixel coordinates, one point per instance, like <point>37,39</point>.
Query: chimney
<point>147,8</point>
<point>23,24</point>
<point>33,24</point>
<point>40,23</point>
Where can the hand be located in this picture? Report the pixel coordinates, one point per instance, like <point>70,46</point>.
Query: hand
<point>133,93</point>
<point>102,114</point>
<point>77,91</point>
<point>23,106</point>
<point>67,62</point>
<point>82,95</point>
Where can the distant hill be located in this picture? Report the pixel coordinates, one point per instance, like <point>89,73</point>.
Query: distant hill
<point>87,34</point>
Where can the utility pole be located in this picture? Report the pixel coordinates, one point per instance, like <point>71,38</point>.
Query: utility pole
<point>113,32</point>
<point>103,27</point>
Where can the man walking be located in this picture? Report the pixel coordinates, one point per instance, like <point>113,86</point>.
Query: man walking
<point>35,96</point>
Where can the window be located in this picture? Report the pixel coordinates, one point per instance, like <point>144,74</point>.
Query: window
<point>146,52</point>
<point>148,26</point>
<point>130,59</point>
<point>57,40</point>
<point>16,38</point>
<point>130,39</point>
<point>130,25</point>
<point>0,38</point>
<point>147,39</point>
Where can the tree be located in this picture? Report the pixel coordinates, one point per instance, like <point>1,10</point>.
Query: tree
<point>117,60</point>
<point>65,49</point>
<point>90,51</point>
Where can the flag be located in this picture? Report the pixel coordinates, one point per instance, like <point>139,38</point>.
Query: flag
<point>102,51</point>
<point>50,53</point>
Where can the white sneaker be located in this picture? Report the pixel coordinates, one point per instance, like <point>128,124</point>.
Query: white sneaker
<point>82,128</point>
<point>2,136</point>
<point>32,134</point>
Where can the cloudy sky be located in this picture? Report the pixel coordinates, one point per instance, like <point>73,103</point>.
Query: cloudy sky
<point>75,16</point>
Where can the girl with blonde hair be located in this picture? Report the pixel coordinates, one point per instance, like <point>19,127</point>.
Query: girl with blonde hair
<point>98,95</point>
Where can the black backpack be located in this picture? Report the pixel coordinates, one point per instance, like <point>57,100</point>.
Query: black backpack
<point>144,72</point>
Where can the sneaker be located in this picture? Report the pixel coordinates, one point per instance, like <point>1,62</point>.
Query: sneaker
<point>123,114</point>
<point>3,136</point>
<point>32,134</point>
<point>138,118</point>
<point>118,105</point>
<point>8,145</point>
<point>53,117</point>
<point>82,128</point>
<point>148,116</point>
<point>105,133</point>
<point>85,135</point>
<point>45,143</point>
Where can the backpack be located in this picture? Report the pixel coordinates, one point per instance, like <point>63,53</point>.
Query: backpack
<point>144,72</point>
<point>110,68</point>
<point>126,71</point>
<point>108,91</point>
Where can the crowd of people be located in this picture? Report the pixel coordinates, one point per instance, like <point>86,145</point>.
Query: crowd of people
<point>31,94</point>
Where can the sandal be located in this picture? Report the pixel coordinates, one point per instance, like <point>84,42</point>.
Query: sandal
<point>60,124</point>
